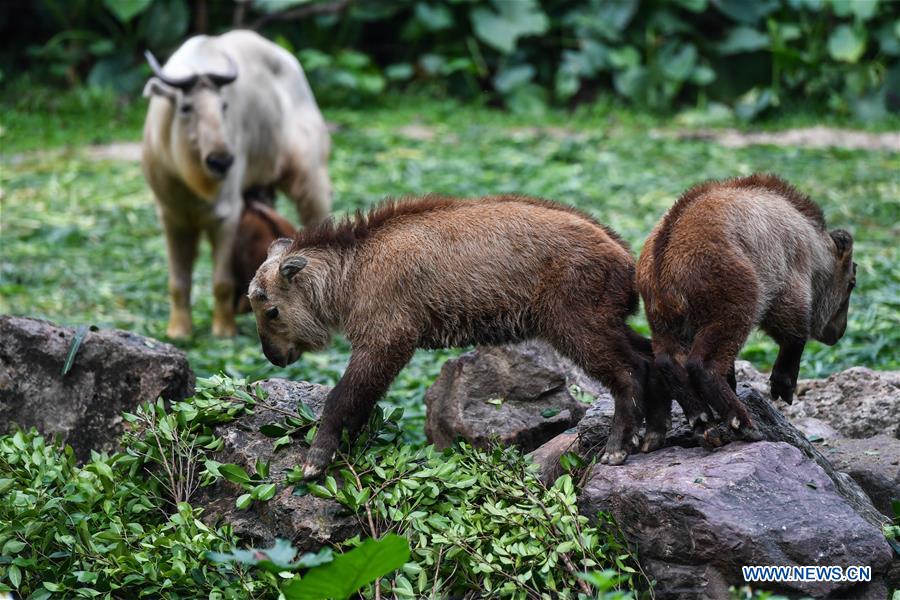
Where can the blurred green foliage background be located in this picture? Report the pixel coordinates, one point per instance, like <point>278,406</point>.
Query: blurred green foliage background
<point>731,57</point>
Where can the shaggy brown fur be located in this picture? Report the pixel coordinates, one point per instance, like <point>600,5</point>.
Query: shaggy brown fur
<point>730,256</point>
<point>260,226</point>
<point>440,272</point>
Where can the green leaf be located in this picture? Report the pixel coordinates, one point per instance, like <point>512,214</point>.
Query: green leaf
<point>350,571</point>
<point>165,22</point>
<point>754,102</point>
<point>276,559</point>
<point>263,492</point>
<point>306,412</point>
<point>13,547</point>
<point>244,501</point>
<point>514,19</point>
<point>15,576</point>
<point>399,71</point>
<point>80,333</point>
<point>234,473</point>
<point>435,17</point>
<point>126,10</point>
<point>550,412</point>
<point>510,78</point>
<point>847,44</point>
<point>678,64</point>
<point>743,39</point>
<point>746,11</point>
<point>272,430</point>
<point>861,10</point>
<point>262,469</point>
<point>693,5</point>
<point>280,442</point>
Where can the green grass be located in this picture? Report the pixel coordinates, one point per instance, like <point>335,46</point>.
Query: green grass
<point>81,243</point>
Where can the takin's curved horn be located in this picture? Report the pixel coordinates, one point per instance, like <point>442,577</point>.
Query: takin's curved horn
<point>179,82</point>
<point>231,75</point>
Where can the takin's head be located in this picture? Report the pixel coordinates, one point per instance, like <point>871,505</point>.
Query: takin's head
<point>284,295</point>
<point>834,300</point>
<point>199,108</point>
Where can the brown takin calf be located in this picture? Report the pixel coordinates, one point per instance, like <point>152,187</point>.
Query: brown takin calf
<point>728,257</point>
<point>438,272</point>
<point>260,226</point>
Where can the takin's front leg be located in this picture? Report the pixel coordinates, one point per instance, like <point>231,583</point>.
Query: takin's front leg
<point>368,376</point>
<point>181,244</point>
<point>783,380</point>
<point>222,237</point>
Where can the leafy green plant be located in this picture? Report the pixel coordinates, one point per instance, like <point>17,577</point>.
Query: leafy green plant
<point>892,528</point>
<point>350,571</point>
<point>98,531</point>
<point>475,519</point>
<point>326,575</point>
<point>751,56</point>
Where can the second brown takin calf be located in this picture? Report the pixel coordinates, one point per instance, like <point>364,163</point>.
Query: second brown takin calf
<point>260,226</point>
<point>440,272</point>
<point>728,257</point>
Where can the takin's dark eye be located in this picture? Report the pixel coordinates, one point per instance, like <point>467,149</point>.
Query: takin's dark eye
<point>272,313</point>
<point>186,108</point>
<point>224,106</point>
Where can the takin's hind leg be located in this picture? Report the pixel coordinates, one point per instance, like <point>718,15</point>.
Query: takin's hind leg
<point>675,383</point>
<point>605,353</point>
<point>310,190</point>
<point>657,400</point>
<point>712,355</point>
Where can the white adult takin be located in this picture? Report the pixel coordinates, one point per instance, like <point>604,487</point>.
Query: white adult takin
<point>227,113</point>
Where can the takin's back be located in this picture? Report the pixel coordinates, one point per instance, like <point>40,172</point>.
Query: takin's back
<point>757,226</point>
<point>469,259</point>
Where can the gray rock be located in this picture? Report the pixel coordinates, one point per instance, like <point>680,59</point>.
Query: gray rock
<point>815,430</point>
<point>874,464</point>
<point>772,425</point>
<point>518,394</point>
<point>114,371</point>
<point>696,516</point>
<point>308,521</point>
<point>858,402</point>
<point>746,373</point>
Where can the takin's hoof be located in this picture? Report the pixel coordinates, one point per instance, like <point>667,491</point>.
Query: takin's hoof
<point>749,433</point>
<point>712,437</point>
<point>613,457</point>
<point>317,460</point>
<point>653,440</point>
<point>781,387</point>
<point>224,329</point>
<point>178,331</point>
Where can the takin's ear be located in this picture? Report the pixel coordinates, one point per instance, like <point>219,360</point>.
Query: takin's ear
<point>156,87</point>
<point>843,242</point>
<point>291,266</point>
<point>278,247</point>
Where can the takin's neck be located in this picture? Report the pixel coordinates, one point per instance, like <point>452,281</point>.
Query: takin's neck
<point>824,301</point>
<point>333,292</point>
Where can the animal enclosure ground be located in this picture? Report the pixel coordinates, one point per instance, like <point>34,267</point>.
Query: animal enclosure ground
<point>81,243</point>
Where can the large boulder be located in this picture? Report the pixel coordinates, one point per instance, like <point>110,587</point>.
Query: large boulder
<point>772,426</point>
<point>858,402</point>
<point>874,464</point>
<point>696,516</point>
<point>520,394</point>
<point>309,522</point>
<point>114,371</point>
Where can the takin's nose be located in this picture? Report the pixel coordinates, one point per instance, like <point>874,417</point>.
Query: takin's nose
<point>219,162</point>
